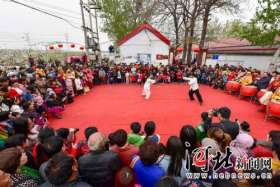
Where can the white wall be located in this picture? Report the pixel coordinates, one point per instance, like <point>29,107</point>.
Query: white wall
<point>255,61</point>
<point>144,42</point>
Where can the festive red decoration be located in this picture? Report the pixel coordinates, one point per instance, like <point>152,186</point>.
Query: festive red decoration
<point>196,49</point>
<point>273,109</point>
<point>72,46</point>
<point>82,48</point>
<point>248,91</point>
<point>161,57</point>
<point>51,47</point>
<point>233,86</point>
<point>60,45</point>
<point>179,49</point>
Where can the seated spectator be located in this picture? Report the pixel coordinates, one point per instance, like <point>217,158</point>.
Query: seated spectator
<point>38,151</point>
<point>276,156</point>
<point>51,146</point>
<point>201,130</point>
<point>229,127</point>
<point>62,170</point>
<point>99,166</point>
<point>19,140</point>
<point>218,141</point>
<point>150,128</point>
<point>247,79</point>
<point>83,146</point>
<point>264,81</point>
<point>173,162</point>
<point>188,138</point>
<point>148,173</point>
<point>69,138</point>
<point>53,106</point>
<point>135,137</point>
<point>276,96</point>
<point>241,146</point>
<point>22,126</point>
<point>275,83</point>
<point>122,148</point>
<point>245,127</point>
<point>167,182</point>
<point>11,160</point>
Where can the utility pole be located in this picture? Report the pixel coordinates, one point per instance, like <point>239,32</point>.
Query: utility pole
<point>90,32</point>
<point>84,25</point>
<point>27,39</point>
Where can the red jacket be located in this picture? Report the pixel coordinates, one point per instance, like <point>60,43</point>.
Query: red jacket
<point>126,153</point>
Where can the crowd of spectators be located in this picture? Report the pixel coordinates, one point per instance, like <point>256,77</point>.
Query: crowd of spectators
<point>214,76</point>
<point>34,154</point>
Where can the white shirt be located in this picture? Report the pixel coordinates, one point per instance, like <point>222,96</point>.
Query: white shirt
<point>192,82</point>
<point>148,83</point>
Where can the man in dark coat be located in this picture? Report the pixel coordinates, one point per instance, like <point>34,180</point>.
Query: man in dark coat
<point>99,166</point>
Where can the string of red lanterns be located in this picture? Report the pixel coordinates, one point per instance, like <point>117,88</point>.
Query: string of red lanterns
<point>52,47</point>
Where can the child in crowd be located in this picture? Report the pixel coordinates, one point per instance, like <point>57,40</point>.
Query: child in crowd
<point>135,137</point>
<point>150,128</point>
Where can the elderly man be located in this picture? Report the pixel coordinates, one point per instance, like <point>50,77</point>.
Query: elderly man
<point>99,166</point>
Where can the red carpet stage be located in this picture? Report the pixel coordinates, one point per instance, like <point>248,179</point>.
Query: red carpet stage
<point>116,106</point>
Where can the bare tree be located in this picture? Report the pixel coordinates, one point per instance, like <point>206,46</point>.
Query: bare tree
<point>171,8</point>
<point>208,7</point>
<point>191,10</point>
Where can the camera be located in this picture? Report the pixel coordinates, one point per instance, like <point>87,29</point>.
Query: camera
<point>215,112</point>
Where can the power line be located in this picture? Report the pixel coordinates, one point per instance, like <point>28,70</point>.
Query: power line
<point>44,12</point>
<point>57,12</point>
<point>54,7</point>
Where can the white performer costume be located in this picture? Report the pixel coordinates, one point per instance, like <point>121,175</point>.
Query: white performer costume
<point>147,88</point>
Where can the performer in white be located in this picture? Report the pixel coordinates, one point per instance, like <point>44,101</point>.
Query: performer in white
<point>194,88</point>
<point>147,87</point>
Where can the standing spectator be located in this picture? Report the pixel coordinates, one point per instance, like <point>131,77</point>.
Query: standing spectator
<point>99,166</point>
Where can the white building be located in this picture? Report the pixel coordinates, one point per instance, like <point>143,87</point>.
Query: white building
<point>144,45</point>
<point>234,52</point>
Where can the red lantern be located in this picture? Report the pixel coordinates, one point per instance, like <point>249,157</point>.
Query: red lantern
<point>60,45</point>
<point>51,47</point>
<point>196,49</point>
<point>82,48</point>
<point>72,45</point>
<point>180,50</point>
